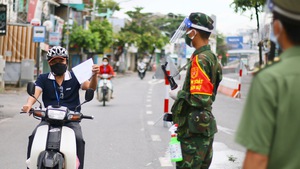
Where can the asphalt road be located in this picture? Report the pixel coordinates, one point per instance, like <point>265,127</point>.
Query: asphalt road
<point>128,132</point>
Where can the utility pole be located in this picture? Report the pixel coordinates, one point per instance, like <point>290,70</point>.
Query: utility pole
<point>68,26</point>
<point>94,10</point>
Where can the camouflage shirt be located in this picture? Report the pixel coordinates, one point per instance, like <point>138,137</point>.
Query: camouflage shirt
<point>187,102</point>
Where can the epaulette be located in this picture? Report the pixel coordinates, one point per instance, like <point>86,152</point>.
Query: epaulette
<point>263,67</point>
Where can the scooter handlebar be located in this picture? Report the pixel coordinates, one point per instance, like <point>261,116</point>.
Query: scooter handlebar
<point>87,117</point>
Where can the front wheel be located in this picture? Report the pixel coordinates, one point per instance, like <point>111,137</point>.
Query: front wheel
<point>104,93</point>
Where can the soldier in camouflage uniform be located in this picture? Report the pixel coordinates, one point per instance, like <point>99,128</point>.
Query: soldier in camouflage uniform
<point>269,127</point>
<point>193,106</point>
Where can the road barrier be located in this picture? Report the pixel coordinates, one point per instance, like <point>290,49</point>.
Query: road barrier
<point>232,87</point>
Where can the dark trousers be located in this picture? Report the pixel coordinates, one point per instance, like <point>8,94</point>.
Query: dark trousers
<point>80,143</point>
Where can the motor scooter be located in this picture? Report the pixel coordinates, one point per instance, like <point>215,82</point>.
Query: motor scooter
<point>142,69</point>
<point>54,145</point>
<point>104,89</point>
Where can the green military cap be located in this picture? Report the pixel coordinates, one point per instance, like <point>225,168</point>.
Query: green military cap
<point>201,21</point>
<point>287,8</point>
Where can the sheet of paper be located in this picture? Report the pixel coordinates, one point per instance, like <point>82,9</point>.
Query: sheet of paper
<point>83,71</point>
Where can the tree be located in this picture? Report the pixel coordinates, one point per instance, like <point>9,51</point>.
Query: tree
<point>104,29</point>
<point>244,5</point>
<point>221,48</point>
<point>142,32</point>
<point>83,38</point>
<point>168,25</point>
<point>102,6</point>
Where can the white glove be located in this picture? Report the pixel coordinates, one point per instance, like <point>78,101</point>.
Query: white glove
<point>173,93</point>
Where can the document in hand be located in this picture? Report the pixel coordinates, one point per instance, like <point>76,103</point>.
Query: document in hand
<point>83,71</point>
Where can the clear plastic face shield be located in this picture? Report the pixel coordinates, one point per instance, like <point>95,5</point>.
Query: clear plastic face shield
<point>185,24</point>
<point>181,30</point>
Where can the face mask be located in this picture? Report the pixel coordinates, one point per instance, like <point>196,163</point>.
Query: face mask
<point>273,37</point>
<point>189,40</point>
<point>105,63</point>
<point>58,69</point>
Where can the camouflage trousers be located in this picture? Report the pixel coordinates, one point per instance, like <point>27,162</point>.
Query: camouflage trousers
<point>197,153</point>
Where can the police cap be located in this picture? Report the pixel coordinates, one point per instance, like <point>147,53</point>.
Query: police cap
<point>287,8</point>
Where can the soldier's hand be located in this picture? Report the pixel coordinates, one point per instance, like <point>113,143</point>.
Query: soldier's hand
<point>173,93</point>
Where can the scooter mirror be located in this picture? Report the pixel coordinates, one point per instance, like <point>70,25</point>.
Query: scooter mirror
<point>30,88</point>
<point>89,95</point>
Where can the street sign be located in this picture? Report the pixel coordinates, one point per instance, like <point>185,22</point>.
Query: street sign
<point>235,42</point>
<point>39,33</point>
<point>3,9</point>
<point>54,38</point>
<point>35,22</point>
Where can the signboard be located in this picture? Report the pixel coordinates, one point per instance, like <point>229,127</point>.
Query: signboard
<point>3,9</point>
<point>39,33</point>
<point>35,22</point>
<point>235,42</point>
<point>54,38</point>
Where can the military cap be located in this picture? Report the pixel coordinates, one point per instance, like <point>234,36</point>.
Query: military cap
<point>201,21</point>
<point>288,8</point>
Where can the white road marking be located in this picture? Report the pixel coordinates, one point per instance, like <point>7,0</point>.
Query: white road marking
<point>155,138</point>
<point>148,112</point>
<point>226,130</point>
<point>148,105</point>
<point>148,100</point>
<point>4,120</point>
<point>165,162</point>
<point>156,81</point>
<point>150,123</point>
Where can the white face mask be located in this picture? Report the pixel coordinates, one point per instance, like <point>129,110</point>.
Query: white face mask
<point>105,63</point>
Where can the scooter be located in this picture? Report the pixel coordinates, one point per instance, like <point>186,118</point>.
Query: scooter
<point>54,145</point>
<point>141,69</point>
<point>104,89</point>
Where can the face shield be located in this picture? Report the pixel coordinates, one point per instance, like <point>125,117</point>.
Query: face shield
<point>181,30</point>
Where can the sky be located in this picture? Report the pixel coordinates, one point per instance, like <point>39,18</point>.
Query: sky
<point>227,21</point>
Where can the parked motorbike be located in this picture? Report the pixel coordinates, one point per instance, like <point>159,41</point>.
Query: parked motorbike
<point>104,89</point>
<point>142,66</point>
<point>54,145</point>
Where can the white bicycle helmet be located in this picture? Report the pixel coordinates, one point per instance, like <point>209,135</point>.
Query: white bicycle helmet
<point>57,51</point>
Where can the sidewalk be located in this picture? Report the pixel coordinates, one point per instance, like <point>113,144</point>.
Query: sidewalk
<point>11,101</point>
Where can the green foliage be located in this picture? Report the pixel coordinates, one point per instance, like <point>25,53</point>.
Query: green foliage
<point>84,38</point>
<point>244,5</point>
<point>168,25</point>
<point>103,5</point>
<point>104,29</point>
<point>144,31</point>
<point>222,48</point>
<point>248,5</point>
<point>94,39</point>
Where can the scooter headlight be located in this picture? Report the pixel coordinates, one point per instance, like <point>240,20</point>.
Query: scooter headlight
<point>56,114</point>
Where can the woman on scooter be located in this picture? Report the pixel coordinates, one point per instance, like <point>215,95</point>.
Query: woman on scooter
<point>60,87</point>
<point>106,68</point>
